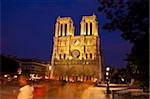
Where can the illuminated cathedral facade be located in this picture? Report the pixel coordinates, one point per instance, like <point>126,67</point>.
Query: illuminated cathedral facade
<point>77,58</point>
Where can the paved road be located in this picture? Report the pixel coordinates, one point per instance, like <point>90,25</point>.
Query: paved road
<point>58,91</point>
<point>8,92</point>
<point>77,91</point>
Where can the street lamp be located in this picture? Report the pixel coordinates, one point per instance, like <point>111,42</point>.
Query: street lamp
<point>107,68</point>
<point>107,74</point>
<point>107,78</point>
<point>5,75</point>
<point>122,79</point>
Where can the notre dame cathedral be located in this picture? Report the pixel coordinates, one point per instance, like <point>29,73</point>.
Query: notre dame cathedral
<point>77,57</point>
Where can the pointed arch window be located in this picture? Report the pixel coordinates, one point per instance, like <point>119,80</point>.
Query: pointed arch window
<point>65,29</point>
<point>61,29</point>
<point>64,56</point>
<point>60,56</point>
<point>86,28</point>
<point>86,56</point>
<point>90,55</point>
<point>90,28</point>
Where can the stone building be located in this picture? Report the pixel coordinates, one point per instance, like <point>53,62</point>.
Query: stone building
<point>77,58</point>
<point>34,67</point>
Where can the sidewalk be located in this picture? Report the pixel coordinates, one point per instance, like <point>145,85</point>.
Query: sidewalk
<point>130,93</point>
<point>8,92</point>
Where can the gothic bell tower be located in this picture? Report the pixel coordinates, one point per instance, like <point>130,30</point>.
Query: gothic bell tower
<point>89,25</point>
<point>64,27</point>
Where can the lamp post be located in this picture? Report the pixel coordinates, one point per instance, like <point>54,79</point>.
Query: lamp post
<point>107,78</point>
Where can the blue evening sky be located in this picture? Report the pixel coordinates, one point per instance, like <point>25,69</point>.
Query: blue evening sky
<point>28,27</point>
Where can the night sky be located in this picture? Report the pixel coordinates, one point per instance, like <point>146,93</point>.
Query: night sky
<point>28,27</point>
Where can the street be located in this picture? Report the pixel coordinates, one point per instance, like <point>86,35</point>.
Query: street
<point>77,91</point>
<point>59,91</point>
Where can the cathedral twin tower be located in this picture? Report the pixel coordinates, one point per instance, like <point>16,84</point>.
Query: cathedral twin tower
<point>64,26</point>
<point>76,58</point>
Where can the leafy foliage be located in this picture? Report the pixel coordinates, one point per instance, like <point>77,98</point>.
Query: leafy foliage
<point>117,74</point>
<point>131,17</point>
<point>8,64</point>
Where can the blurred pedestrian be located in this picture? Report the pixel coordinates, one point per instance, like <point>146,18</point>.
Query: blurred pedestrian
<point>40,90</point>
<point>25,91</point>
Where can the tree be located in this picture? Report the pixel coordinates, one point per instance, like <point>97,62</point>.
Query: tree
<point>131,17</point>
<point>118,75</point>
<point>8,64</point>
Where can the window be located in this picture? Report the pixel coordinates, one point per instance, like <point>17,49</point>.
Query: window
<point>64,56</point>
<point>90,28</point>
<point>90,56</point>
<point>61,28</point>
<point>65,29</point>
<point>60,56</point>
<point>86,56</point>
<point>86,28</point>
<point>84,48</point>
